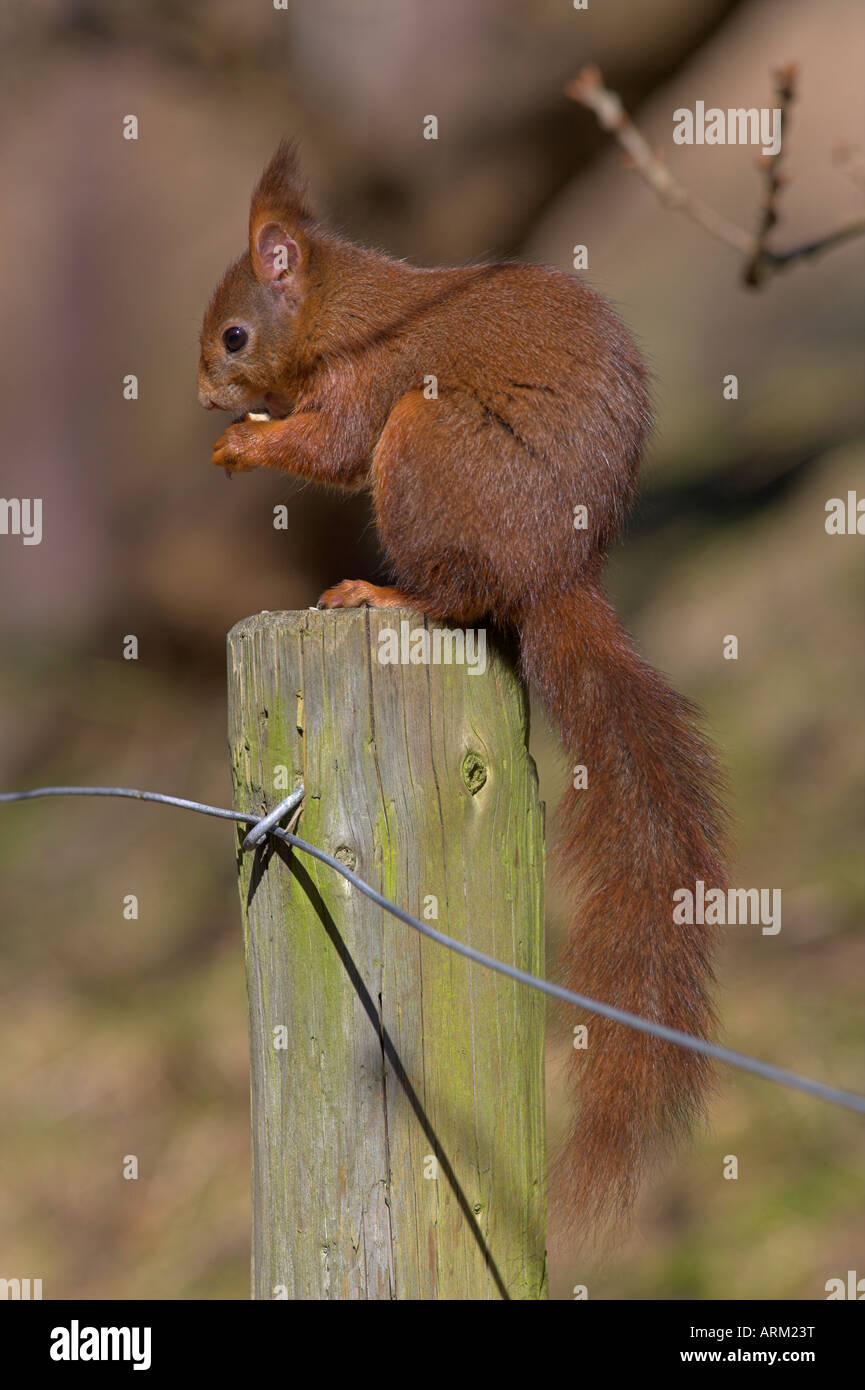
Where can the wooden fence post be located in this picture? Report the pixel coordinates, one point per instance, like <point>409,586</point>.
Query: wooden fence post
<point>397,1088</point>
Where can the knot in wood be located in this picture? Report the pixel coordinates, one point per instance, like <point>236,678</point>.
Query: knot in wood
<point>474,772</point>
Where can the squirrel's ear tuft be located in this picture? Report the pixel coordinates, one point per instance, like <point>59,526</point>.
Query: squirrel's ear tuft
<point>279,219</point>
<point>280,193</point>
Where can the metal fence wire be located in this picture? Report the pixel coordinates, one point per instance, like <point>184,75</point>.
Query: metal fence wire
<point>262,826</point>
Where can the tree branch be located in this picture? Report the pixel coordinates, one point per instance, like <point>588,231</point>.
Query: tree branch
<point>761,261</point>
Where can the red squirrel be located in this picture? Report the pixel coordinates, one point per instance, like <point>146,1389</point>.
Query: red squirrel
<point>540,407</point>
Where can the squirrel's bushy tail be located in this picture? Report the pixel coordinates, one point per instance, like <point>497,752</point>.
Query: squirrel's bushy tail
<point>648,822</point>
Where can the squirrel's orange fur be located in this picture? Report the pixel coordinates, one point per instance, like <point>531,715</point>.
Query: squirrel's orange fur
<point>541,406</point>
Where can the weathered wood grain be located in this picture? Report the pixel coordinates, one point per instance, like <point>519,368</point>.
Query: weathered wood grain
<point>398,1128</point>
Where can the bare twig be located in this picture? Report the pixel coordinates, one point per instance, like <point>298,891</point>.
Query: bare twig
<point>588,89</point>
<point>757,267</point>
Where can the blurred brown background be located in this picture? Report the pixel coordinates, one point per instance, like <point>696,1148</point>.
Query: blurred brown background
<point>126,1037</point>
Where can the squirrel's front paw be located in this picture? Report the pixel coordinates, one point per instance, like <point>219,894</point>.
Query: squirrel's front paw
<point>239,448</point>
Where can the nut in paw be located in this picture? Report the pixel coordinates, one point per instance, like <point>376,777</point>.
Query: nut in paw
<point>238,448</point>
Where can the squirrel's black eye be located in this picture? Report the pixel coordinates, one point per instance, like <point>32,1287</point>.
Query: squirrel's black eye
<point>235,338</point>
